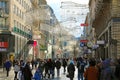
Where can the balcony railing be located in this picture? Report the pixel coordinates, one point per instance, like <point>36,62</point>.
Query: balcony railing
<point>99,5</point>
<point>4,27</point>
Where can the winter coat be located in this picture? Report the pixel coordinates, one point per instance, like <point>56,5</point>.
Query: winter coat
<point>37,75</point>
<point>41,66</point>
<point>16,68</point>
<point>106,71</point>
<point>91,73</point>
<point>64,63</point>
<point>117,71</point>
<point>58,64</point>
<point>20,76</point>
<point>8,65</point>
<point>71,70</point>
<point>80,66</point>
<point>27,72</point>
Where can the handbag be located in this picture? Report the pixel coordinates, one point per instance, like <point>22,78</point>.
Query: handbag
<point>68,75</point>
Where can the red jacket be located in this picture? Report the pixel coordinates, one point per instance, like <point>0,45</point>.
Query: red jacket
<point>91,73</point>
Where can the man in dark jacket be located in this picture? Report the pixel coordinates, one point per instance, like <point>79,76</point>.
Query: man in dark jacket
<point>8,66</point>
<point>71,70</point>
<point>27,72</point>
<point>64,64</point>
<point>80,66</point>
<point>117,70</point>
<point>58,66</point>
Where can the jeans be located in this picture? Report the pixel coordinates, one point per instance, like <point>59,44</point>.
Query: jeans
<point>58,72</point>
<point>80,76</point>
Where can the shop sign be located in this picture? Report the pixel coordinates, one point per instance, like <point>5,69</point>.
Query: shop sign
<point>95,46</point>
<point>101,42</point>
<point>35,43</point>
<point>3,49</point>
<point>84,24</point>
<point>84,41</point>
<point>4,44</point>
<point>37,37</point>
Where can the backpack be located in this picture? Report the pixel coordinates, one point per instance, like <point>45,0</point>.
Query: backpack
<point>81,66</point>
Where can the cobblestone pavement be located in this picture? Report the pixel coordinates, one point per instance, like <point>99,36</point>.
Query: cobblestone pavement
<point>11,75</point>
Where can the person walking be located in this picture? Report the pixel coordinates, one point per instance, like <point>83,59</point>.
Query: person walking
<point>117,70</point>
<point>41,67</point>
<point>27,72</point>
<point>91,72</point>
<point>32,63</point>
<point>16,69</point>
<point>71,70</point>
<point>80,66</point>
<point>8,66</point>
<point>46,65</point>
<point>64,64</point>
<point>37,75</point>
<point>53,68</point>
<point>20,75</point>
<point>58,66</point>
<point>106,72</point>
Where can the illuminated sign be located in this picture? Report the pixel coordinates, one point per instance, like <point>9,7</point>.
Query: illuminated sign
<point>84,41</point>
<point>4,44</point>
<point>3,49</point>
<point>101,42</point>
<point>35,43</point>
<point>83,24</point>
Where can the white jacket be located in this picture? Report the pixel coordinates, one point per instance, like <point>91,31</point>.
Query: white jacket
<point>16,68</point>
<point>19,75</point>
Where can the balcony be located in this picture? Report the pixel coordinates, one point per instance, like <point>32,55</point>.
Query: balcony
<point>99,4</point>
<point>4,27</point>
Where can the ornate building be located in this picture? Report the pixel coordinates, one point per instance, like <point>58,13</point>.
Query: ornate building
<point>14,33</point>
<point>106,22</point>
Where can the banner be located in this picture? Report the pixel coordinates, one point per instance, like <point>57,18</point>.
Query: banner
<point>4,44</point>
<point>83,24</point>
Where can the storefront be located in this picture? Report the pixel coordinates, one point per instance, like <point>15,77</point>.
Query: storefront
<point>6,46</point>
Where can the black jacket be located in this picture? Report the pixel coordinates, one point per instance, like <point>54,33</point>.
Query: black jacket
<point>71,70</point>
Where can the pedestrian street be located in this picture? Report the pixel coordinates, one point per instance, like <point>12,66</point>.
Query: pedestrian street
<point>11,75</point>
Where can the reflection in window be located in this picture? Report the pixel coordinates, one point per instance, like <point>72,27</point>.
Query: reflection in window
<point>3,5</point>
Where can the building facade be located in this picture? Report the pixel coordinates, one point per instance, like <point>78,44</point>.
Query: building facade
<point>14,31</point>
<point>106,23</point>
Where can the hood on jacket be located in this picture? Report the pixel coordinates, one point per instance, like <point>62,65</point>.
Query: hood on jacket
<point>106,63</point>
<point>71,62</point>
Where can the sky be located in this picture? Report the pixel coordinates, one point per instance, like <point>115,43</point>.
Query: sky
<point>55,4</point>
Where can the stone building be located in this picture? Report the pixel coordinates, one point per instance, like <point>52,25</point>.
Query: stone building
<point>14,33</point>
<point>106,22</point>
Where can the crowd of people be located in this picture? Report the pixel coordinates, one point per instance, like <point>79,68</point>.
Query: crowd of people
<point>87,68</point>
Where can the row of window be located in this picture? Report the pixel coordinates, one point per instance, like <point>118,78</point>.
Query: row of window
<point>24,4</point>
<point>18,12</point>
<point>20,26</point>
<point>3,6</point>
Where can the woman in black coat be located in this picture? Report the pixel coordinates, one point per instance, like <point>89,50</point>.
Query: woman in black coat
<point>117,70</point>
<point>71,70</point>
<point>27,72</point>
